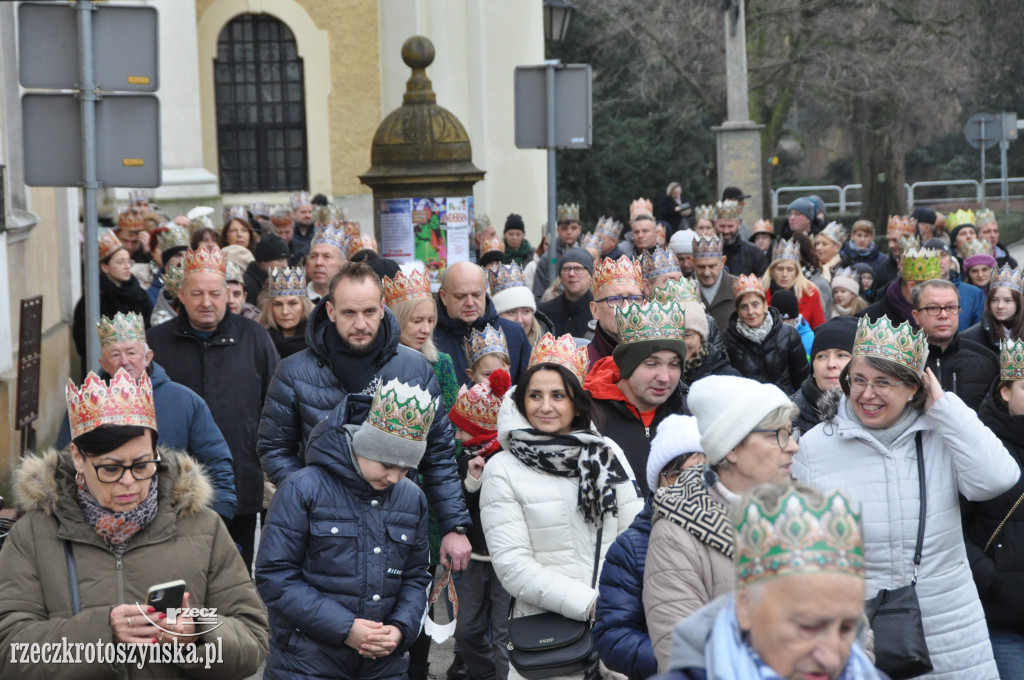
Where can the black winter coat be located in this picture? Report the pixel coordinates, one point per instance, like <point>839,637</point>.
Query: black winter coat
<point>335,549</point>
<point>985,333</point>
<point>885,273</point>
<point>743,257</point>
<point>966,368</point>
<point>305,390</point>
<point>780,359</point>
<point>716,362</point>
<point>253,281</point>
<point>569,317</point>
<point>114,298</point>
<point>231,371</point>
<point>807,399</point>
<point>450,336</point>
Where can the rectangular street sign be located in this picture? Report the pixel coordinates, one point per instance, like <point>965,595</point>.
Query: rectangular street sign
<point>573,121</point>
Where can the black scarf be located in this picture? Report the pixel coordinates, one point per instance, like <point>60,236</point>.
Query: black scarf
<point>355,371</point>
<point>287,346</point>
<point>124,297</point>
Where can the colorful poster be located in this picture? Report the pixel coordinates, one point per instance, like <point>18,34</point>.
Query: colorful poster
<point>434,231</point>
<point>396,235</point>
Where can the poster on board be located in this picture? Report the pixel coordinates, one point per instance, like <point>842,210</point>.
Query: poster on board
<point>431,231</point>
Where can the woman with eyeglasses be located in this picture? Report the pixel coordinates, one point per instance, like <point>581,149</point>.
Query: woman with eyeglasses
<point>867,446</point>
<point>748,438</point>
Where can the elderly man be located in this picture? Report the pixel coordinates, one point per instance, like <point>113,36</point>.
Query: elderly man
<point>988,229</point>
<point>227,360</point>
<point>568,229</point>
<point>615,283</point>
<point>326,255</point>
<point>302,217</point>
<point>916,267</point>
<point>354,345</point>
<point>465,306</point>
<point>570,311</point>
<point>681,244</point>
<point>741,256</point>
<point>182,417</point>
<point>714,283</point>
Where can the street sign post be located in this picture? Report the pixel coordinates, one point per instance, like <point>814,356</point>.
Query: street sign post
<point>983,131</point>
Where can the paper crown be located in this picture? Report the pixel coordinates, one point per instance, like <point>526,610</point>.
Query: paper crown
<point>679,291</point>
<point>479,405</point>
<point>611,272</point>
<point>763,227</point>
<point>977,246</point>
<point>232,273</point>
<point>172,279</point>
<point>237,212</point>
<point>848,272</point>
<point>658,262</point>
<point>136,196</point>
<point>491,340</point>
<point>402,287</point>
<point>727,210</point>
<point>640,206</point>
<point>205,260</point>
<point>282,217</point>
<point>122,401</point>
<point>985,216</point>
<point>901,344</point>
<point>108,243</point>
<point>607,226</point>
<point>569,212</point>
<point>650,321</point>
<point>908,243</point>
<point>786,249</point>
<point>562,351</point>
<point>130,219</point>
<point>899,227</point>
<point>175,237</point>
<point>747,284</point>
<point>352,229</point>
<point>798,537</point>
<point>1011,360</point>
<point>481,222</point>
<point>836,232</point>
<point>505,276</point>
<point>706,212</point>
<point>361,242</point>
<point>330,236</point>
<point>286,281</point>
<point>591,241</point>
<point>707,246</point>
<point>259,209</point>
<point>960,217</point>
<point>326,214</point>
<point>121,328</point>
<point>491,245</point>
<point>402,410</point>
<point>921,265</point>
<point>300,198</point>
<point>1008,277</point>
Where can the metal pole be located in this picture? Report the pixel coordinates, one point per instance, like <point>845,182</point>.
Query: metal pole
<point>982,121</point>
<point>549,79</point>
<point>1003,145</point>
<point>87,98</point>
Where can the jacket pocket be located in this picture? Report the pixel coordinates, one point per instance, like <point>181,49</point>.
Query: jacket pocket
<point>333,547</point>
<point>401,543</point>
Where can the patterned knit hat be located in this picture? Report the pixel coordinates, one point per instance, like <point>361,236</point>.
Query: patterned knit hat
<point>395,431</point>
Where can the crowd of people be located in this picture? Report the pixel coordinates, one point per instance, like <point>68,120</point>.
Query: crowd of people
<point>708,453</point>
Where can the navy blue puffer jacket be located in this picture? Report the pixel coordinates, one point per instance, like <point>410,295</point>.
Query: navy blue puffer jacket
<point>335,549</point>
<point>450,336</point>
<point>620,627</point>
<point>305,390</point>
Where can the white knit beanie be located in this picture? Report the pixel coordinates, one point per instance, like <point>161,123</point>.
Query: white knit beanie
<point>847,283</point>
<point>676,435</point>
<point>513,298</point>
<point>728,408</point>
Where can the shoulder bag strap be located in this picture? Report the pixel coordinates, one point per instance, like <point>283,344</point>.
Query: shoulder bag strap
<point>1002,524</point>
<point>924,505</point>
<point>76,598</point>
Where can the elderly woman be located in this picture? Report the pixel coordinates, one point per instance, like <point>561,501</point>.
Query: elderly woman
<point>105,521</point>
<point>890,414</point>
<point>557,493</point>
<point>830,352</point>
<point>284,309</point>
<point>784,273</point>
<point>514,301</point>
<point>1003,318</point>
<point>748,438</point>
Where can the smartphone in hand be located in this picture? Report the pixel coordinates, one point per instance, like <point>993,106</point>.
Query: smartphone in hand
<point>164,596</point>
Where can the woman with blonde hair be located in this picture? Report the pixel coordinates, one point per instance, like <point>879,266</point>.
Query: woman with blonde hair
<point>514,301</point>
<point>285,308</point>
<point>784,273</point>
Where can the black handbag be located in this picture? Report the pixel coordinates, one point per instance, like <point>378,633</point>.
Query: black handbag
<point>895,615</point>
<point>547,644</point>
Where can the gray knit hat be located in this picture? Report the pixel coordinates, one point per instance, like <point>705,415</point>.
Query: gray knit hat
<point>395,431</point>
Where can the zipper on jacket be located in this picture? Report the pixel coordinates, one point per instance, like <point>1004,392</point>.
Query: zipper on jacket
<point>954,384</point>
<point>119,566</point>
<point>647,432</point>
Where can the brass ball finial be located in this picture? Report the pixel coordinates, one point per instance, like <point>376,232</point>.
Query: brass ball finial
<point>418,52</point>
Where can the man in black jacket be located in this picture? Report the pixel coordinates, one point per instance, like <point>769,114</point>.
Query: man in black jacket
<point>570,311</point>
<point>227,360</point>
<point>741,256</point>
<point>963,367</point>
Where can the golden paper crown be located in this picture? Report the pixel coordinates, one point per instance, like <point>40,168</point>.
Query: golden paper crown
<point>708,246</point>
<point>402,410</point>
<point>361,242</point>
<point>330,236</point>
<point>562,352</point>
<point>611,272</point>
<point>491,340</point>
<point>327,214</point>
<point>569,212</point>
<point>1008,277</point>
<point>300,198</point>
<point>640,206</point>
<point>650,321</point>
<point>786,249</point>
<point>505,276</point>
<point>899,227</point>
<point>705,212</point>
<point>985,216</point>
<point>122,328</point>
<point>130,219</point>
<point>902,344</point>
<point>679,291</point>
<point>836,232</point>
<point>481,222</point>
<point>175,237</point>
<point>763,227</point>
<point>1011,360</point>
<point>136,196</point>
<point>108,244</point>
<point>921,265</point>
<point>287,281</point>
<point>747,284</point>
<point>727,210</point>
<point>977,246</point>
<point>352,229</point>
<point>173,277</point>
<point>607,226</point>
<point>658,262</point>
<point>960,217</point>
<point>282,217</point>
<point>205,259</point>
<point>411,286</point>
<point>121,402</point>
<point>492,244</point>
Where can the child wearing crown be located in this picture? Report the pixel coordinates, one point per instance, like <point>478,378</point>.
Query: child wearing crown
<point>486,352</point>
<point>343,565</point>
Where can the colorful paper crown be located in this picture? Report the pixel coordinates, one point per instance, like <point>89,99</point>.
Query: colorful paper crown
<point>977,246</point>
<point>763,227</point>
<point>727,209</point>
<point>282,217</point>
<point>326,214</point>
<point>232,273</point>
<point>640,206</point>
<point>650,321</point>
<point>708,246</point>
<point>121,402</point>
<point>908,243</point>
<point>798,537</point>
<point>899,227</point>
<point>411,286</point>
<point>591,241</point>
<point>569,212</point>
<point>130,219</point>
<point>1011,360</point>
<point>136,196</point>
<point>562,351</point>
<point>960,217</point>
<point>173,277</point>
<point>607,226</point>
<point>175,237</point>
<point>361,242</point>
<point>108,244</point>
<point>121,328</point>
<point>706,212</point>
<point>658,262</point>
<point>505,276</point>
<point>237,212</point>
<point>836,232</point>
<point>901,344</point>
<point>402,410</point>
<point>481,222</point>
<point>611,272</point>
<point>481,343</point>
<point>476,407</point>
<point>286,281</point>
<point>786,249</point>
<point>492,244</point>
<point>921,265</point>
<point>205,260</point>
<point>330,236</point>
<point>985,216</point>
<point>352,229</point>
<point>679,291</point>
<point>747,284</point>
<point>259,209</point>
<point>1008,277</point>
<point>300,198</point>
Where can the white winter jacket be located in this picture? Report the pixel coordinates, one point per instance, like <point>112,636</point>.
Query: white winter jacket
<point>961,456</point>
<point>541,548</point>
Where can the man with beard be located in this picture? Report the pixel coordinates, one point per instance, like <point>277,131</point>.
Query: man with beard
<point>741,256</point>
<point>302,218</point>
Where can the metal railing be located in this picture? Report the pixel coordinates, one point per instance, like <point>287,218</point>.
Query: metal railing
<point>845,202</point>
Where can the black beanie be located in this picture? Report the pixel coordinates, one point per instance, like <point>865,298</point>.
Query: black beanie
<point>837,333</point>
<point>514,221</point>
<point>785,302</point>
<point>271,247</point>
<point>490,257</point>
<point>926,215</point>
<point>384,267</point>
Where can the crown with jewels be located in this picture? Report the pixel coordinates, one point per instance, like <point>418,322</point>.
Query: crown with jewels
<point>130,219</point>
<point>481,222</point>
<point>901,344</point>
<point>679,291</point>
<point>658,262</point>
<point>747,284</point>
<point>786,249</point>
<point>985,216</point>
<point>591,241</point>
<point>705,212</point>
<point>361,242</point>
<point>899,227</point>
<point>1008,277</point>
<point>233,273</point>
<point>108,243</point>
<point>492,244</point>
<point>121,328</point>
<point>763,227</point>
<point>1011,360</point>
<point>286,281</point>
<point>650,321</point>
<point>136,196</point>
<point>961,216</point>
<point>331,236</point>
<point>259,209</point>
<point>205,260</point>
<point>641,206</point>
<point>610,227</point>
<point>569,212</point>
<point>175,237</point>
<point>326,214</point>
<point>562,351</point>
<point>237,212</point>
<point>836,232</point>
<point>174,276</point>
<point>505,276</point>
<point>798,537</point>
<point>611,272</point>
<point>300,198</point>
<point>491,340</point>
<point>727,209</point>
<point>921,265</point>
<point>352,230</point>
<point>977,246</point>
<point>122,401</point>
<point>402,410</point>
<point>411,286</point>
<point>479,405</point>
<point>708,246</point>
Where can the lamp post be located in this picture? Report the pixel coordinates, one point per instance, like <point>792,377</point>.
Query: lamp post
<point>557,17</point>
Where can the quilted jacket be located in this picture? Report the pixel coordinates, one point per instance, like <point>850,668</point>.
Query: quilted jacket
<point>779,359</point>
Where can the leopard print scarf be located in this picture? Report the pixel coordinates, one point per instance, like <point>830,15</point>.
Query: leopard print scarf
<point>115,528</point>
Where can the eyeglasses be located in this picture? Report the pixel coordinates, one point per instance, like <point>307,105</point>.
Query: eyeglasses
<point>578,271</point>
<point>141,470</point>
<point>881,386</point>
<point>933,310</point>
<point>620,300</point>
<point>783,436</point>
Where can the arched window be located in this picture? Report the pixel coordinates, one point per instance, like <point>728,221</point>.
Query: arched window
<point>261,107</point>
